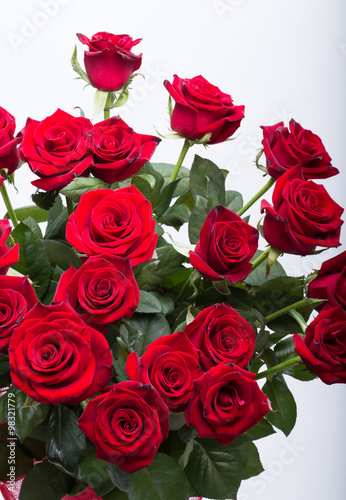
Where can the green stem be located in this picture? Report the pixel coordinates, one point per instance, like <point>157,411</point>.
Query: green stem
<point>299,319</point>
<point>69,204</point>
<point>107,112</point>
<point>180,160</point>
<point>8,204</point>
<point>257,196</point>
<point>287,309</point>
<point>279,368</point>
<point>261,258</point>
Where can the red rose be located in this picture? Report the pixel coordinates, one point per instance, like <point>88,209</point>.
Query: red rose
<point>16,298</point>
<point>330,280</point>
<point>302,217</point>
<point>109,63</point>
<point>323,350</point>
<point>170,364</point>
<point>56,149</point>
<point>220,334</point>
<point>8,143</point>
<point>201,108</point>
<point>102,290</point>
<point>285,149</point>
<point>116,222</point>
<point>119,152</point>
<point>127,424</point>
<point>8,256</point>
<point>56,358</point>
<point>225,247</point>
<point>226,402</point>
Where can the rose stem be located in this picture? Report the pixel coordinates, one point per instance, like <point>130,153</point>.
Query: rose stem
<point>106,111</point>
<point>299,319</point>
<point>8,204</point>
<point>257,196</point>
<point>180,160</point>
<point>280,367</point>
<point>296,305</point>
<point>260,258</point>
<point>69,205</point>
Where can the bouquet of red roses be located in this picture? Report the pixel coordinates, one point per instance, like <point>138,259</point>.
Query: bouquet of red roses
<point>130,362</point>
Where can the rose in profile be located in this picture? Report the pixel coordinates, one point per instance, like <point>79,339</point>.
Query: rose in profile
<point>127,424</point>
<point>57,149</point>
<point>57,358</point>
<point>225,247</point>
<point>114,222</point>
<point>119,152</point>
<point>8,256</point>
<point>17,296</point>
<point>302,217</point>
<point>288,148</point>
<point>330,281</point>
<point>109,62</point>
<point>102,290</point>
<point>170,364</point>
<point>8,143</point>
<point>226,401</point>
<point>220,334</point>
<point>201,108</point>
<point>323,350</point>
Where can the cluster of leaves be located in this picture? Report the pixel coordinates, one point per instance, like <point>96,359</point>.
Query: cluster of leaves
<point>171,292</point>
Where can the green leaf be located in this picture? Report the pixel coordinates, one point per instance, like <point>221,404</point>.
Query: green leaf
<point>207,181</point>
<point>65,441</point>
<point>45,481</point>
<point>176,279</point>
<point>148,304</point>
<point>57,218</point>
<point>197,218</point>
<point>285,411</point>
<point>36,213</point>
<point>44,199</point>
<point>233,201</point>
<point>33,225</point>
<point>166,301</point>
<point>154,194</point>
<point>166,197</point>
<point>253,465</point>
<point>145,183</point>
<point>284,350</point>
<point>61,255</point>
<point>77,68</point>
<point>214,470</point>
<point>149,328</point>
<point>27,418</point>
<point>166,170</point>
<point>33,258</point>
<point>162,480</point>
<point>115,495</point>
<point>93,471</point>
<point>258,276</point>
<point>119,477</point>
<point>176,216</point>
<point>81,185</point>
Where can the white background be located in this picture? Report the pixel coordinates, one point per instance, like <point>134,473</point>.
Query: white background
<point>281,59</point>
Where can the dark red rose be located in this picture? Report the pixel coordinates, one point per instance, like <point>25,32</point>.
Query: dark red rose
<point>8,143</point>
<point>57,358</point>
<point>201,108</point>
<point>225,247</point>
<point>127,424</point>
<point>330,280</point>
<point>288,148</point>
<point>17,296</point>
<point>226,402</point>
<point>302,217</point>
<point>323,350</point>
<point>119,152</point>
<point>220,334</point>
<point>170,364</point>
<point>102,290</point>
<point>109,63</point>
<point>116,222</point>
<point>8,256</point>
<point>57,149</point>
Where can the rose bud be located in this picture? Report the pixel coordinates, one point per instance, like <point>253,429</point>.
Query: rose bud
<point>201,109</point>
<point>8,256</point>
<point>226,402</point>
<point>170,364</point>
<point>225,247</point>
<point>220,334</point>
<point>109,62</point>
<point>57,358</point>
<point>288,148</point>
<point>323,350</point>
<point>102,290</point>
<point>114,222</point>
<point>302,217</point>
<point>127,424</point>
<point>57,149</point>
<point>8,143</point>
<point>119,152</point>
